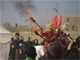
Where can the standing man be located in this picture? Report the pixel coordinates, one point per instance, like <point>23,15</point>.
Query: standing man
<point>12,50</point>
<point>36,42</point>
<point>16,40</point>
<point>17,44</point>
<point>29,42</point>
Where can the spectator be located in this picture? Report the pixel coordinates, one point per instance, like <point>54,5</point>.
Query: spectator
<point>58,42</point>
<point>28,42</point>
<point>17,45</point>
<point>78,42</point>
<point>12,39</point>
<point>28,38</point>
<point>74,48</point>
<point>12,50</point>
<point>16,40</point>
<point>36,42</point>
<point>72,53</point>
<point>21,48</point>
<point>21,39</point>
<point>30,53</point>
<point>12,42</point>
<point>54,51</point>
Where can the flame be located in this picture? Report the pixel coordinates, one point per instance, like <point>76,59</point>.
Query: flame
<point>28,13</point>
<point>32,25</point>
<point>29,23</point>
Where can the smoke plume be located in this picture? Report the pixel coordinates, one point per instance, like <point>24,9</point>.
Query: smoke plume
<point>21,5</point>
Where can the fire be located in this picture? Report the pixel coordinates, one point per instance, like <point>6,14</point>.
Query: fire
<point>32,25</point>
<point>28,13</point>
<point>33,28</point>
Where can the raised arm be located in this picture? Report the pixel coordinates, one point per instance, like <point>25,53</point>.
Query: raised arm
<point>43,33</point>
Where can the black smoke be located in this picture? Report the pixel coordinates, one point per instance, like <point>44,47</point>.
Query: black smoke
<point>21,5</point>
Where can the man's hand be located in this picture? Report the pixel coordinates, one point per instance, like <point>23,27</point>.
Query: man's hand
<point>12,46</point>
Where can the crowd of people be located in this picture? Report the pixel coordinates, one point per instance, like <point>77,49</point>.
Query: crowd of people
<point>55,47</point>
<point>20,49</point>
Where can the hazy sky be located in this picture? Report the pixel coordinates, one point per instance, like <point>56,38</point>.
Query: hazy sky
<point>43,13</point>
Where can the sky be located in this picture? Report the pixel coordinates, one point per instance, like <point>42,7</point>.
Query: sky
<point>43,12</point>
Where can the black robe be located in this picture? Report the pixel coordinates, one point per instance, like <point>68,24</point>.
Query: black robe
<point>12,52</point>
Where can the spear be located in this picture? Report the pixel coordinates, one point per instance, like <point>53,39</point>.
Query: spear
<point>35,31</point>
<point>33,20</point>
<point>40,35</point>
<point>31,17</point>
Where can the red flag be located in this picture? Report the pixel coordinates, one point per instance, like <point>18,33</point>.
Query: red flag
<point>59,22</point>
<point>54,22</point>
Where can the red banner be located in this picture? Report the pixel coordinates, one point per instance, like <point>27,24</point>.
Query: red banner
<point>59,22</point>
<point>54,22</point>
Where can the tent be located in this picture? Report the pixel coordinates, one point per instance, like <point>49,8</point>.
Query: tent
<point>5,37</point>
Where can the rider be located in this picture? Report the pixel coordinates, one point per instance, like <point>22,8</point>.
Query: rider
<point>48,36</point>
<point>60,34</point>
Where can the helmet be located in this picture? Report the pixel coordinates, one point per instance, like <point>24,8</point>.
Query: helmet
<point>48,26</point>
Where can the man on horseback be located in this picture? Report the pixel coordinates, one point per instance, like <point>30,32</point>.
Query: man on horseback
<point>54,32</point>
<point>61,35</point>
<point>48,36</point>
